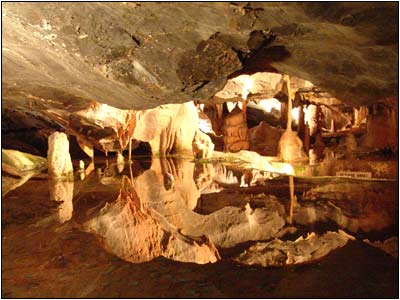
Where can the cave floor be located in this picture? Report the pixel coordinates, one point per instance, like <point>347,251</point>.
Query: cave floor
<point>45,259</point>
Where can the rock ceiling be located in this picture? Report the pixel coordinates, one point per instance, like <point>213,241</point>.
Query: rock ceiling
<point>141,55</point>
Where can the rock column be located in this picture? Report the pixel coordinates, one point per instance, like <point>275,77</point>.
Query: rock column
<point>58,157</point>
<point>235,131</point>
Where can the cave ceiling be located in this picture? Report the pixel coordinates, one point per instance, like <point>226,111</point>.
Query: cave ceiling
<point>141,55</point>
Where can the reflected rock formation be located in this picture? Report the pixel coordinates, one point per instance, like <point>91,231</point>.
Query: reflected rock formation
<point>354,206</point>
<point>226,227</point>
<point>302,250</point>
<point>62,191</point>
<point>134,233</point>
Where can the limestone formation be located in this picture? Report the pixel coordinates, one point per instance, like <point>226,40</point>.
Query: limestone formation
<point>202,145</point>
<point>235,131</point>
<point>17,163</point>
<point>390,246</point>
<point>58,157</point>
<point>264,139</point>
<point>134,233</point>
<point>303,250</point>
<point>225,228</point>
<point>168,128</point>
<point>290,147</point>
<point>354,63</point>
<point>382,130</point>
<point>253,160</point>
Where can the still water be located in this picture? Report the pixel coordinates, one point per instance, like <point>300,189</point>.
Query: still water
<point>192,225</point>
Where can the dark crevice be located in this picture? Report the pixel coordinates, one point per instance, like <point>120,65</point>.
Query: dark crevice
<point>136,40</point>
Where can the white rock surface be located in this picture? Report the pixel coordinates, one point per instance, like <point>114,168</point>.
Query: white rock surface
<point>58,157</point>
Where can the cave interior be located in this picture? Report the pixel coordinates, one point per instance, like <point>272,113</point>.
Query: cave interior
<point>200,150</point>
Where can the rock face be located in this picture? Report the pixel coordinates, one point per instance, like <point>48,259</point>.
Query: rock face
<point>140,55</point>
<point>17,163</point>
<point>382,130</point>
<point>58,157</point>
<point>235,131</point>
<point>290,147</point>
<point>169,128</point>
<point>264,139</point>
<point>202,145</point>
<point>279,253</point>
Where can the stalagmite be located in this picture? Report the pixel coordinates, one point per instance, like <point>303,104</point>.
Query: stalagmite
<point>58,157</point>
<point>290,146</point>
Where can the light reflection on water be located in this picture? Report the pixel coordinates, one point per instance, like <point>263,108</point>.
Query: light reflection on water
<point>186,211</point>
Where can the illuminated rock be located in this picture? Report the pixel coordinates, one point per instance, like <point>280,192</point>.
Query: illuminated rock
<point>253,160</point>
<point>303,250</point>
<point>58,157</point>
<point>17,163</point>
<point>290,147</point>
<point>235,131</point>
<point>168,128</point>
<point>202,145</point>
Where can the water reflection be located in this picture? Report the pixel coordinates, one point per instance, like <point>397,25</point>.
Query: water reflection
<point>149,212</point>
<point>131,230</point>
<point>62,191</point>
<point>188,211</point>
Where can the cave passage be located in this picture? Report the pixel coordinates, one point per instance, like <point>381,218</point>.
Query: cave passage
<point>200,150</point>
